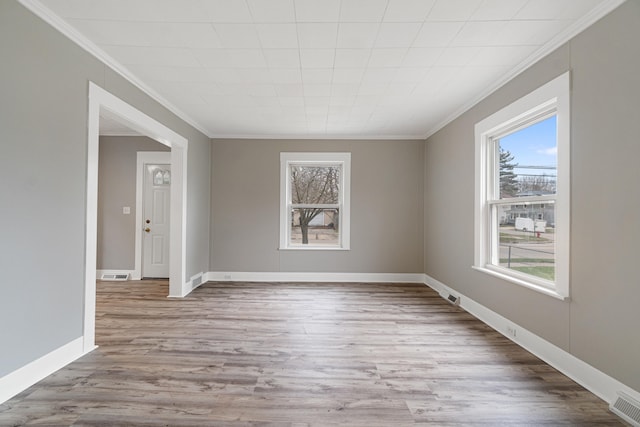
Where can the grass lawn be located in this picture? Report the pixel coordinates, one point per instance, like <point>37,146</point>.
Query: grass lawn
<point>528,260</point>
<point>513,238</point>
<point>543,272</point>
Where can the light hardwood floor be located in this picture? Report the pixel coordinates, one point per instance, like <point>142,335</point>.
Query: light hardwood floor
<point>289,354</point>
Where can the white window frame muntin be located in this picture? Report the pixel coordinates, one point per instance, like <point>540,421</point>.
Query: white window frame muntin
<point>554,95</point>
<point>344,206</point>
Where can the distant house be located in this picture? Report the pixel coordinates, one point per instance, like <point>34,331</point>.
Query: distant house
<point>507,214</point>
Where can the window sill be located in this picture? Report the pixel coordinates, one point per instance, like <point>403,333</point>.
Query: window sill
<point>313,248</point>
<point>523,283</point>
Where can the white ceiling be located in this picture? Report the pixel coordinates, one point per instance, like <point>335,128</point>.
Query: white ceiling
<point>320,68</point>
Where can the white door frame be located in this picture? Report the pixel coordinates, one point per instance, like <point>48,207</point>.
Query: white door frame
<point>102,101</point>
<point>142,158</point>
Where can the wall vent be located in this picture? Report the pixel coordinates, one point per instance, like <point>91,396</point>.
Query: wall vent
<point>115,276</point>
<point>455,300</point>
<point>196,281</point>
<point>627,409</point>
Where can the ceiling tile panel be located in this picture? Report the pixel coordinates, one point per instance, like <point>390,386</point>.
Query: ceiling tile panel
<point>397,34</point>
<point>437,34</point>
<point>290,90</point>
<point>527,33</point>
<point>378,75</point>
<point>196,35</point>
<point>227,11</point>
<point>286,75</point>
<point>212,58</point>
<point>389,57</point>
<point>317,58</point>
<point>281,11</point>
<point>410,75</point>
<point>317,75</point>
<point>422,56</point>
<point>292,101</point>
<point>246,58</point>
<point>228,75</point>
<point>357,35</point>
<point>479,33</point>
<point>555,9</point>
<point>502,55</point>
<point>362,10</point>
<point>251,75</point>
<point>497,10</point>
<point>408,10</point>
<point>345,89</point>
<point>352,58</point>
<point>371,89</point>
<point>456,56</point>
<point>317,10</point>
<point>348,75</point>
<point>316,89</point>
<point>317,36</point>
<point>453,10</point>
<point>277,36</point>
<point>238,36</point>
<point>261,90</point>
<point>282,58</point>
<point>341,102</point>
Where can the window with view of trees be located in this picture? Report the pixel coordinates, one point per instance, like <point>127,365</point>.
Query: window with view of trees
<point>314,201</point>
<point>522,191</point>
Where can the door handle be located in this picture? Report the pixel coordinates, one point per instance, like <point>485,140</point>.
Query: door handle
<point>146,230</point>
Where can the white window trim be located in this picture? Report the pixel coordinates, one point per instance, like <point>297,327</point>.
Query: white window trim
<point>553,95</point>
<point>316,159</point>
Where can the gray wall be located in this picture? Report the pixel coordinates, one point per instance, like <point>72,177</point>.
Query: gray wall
<point>386,208</point>
<point>598,324</point>
<point>116,189</point>
<point>43,134</point>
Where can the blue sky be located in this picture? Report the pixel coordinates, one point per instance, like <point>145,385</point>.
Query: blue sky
<point>533,146</point>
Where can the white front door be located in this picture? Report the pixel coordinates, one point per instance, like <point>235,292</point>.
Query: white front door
<point>155,214</point>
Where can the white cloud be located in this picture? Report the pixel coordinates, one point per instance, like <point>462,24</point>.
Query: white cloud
<point>552,151</point>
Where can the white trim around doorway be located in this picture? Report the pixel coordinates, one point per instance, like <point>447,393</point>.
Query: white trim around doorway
<point>103,102</point>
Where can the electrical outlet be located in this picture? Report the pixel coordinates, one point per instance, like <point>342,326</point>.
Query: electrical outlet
<point>511,331</point>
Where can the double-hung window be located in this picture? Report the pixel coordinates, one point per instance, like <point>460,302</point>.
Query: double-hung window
<point>314,200</point>
<point>522,191</point>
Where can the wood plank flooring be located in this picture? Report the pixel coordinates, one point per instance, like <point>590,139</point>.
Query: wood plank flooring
<point>290,354</point>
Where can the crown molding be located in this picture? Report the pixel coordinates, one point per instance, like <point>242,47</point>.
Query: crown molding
<point>361,137</point>
<point>48,16</point>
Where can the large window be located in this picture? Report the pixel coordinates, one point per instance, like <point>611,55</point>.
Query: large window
<point>522,191</point>
<point>314,200</point>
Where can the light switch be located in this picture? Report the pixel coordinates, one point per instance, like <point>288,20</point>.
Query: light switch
<point>126,210</point>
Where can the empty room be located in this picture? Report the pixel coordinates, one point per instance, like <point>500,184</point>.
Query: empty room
<point>319,212</point>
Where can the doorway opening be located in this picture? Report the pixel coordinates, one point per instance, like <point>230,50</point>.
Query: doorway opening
<point>104,103</point>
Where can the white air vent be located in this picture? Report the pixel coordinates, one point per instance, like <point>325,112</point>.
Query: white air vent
<point>453,299</point>
<point>627,409</point>
<point>115,276</point>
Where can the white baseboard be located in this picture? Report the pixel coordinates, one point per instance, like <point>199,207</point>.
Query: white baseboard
<point>23,378</point>
<point>594,380</point>
<point>99,273</point>
<point>238,276</point>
